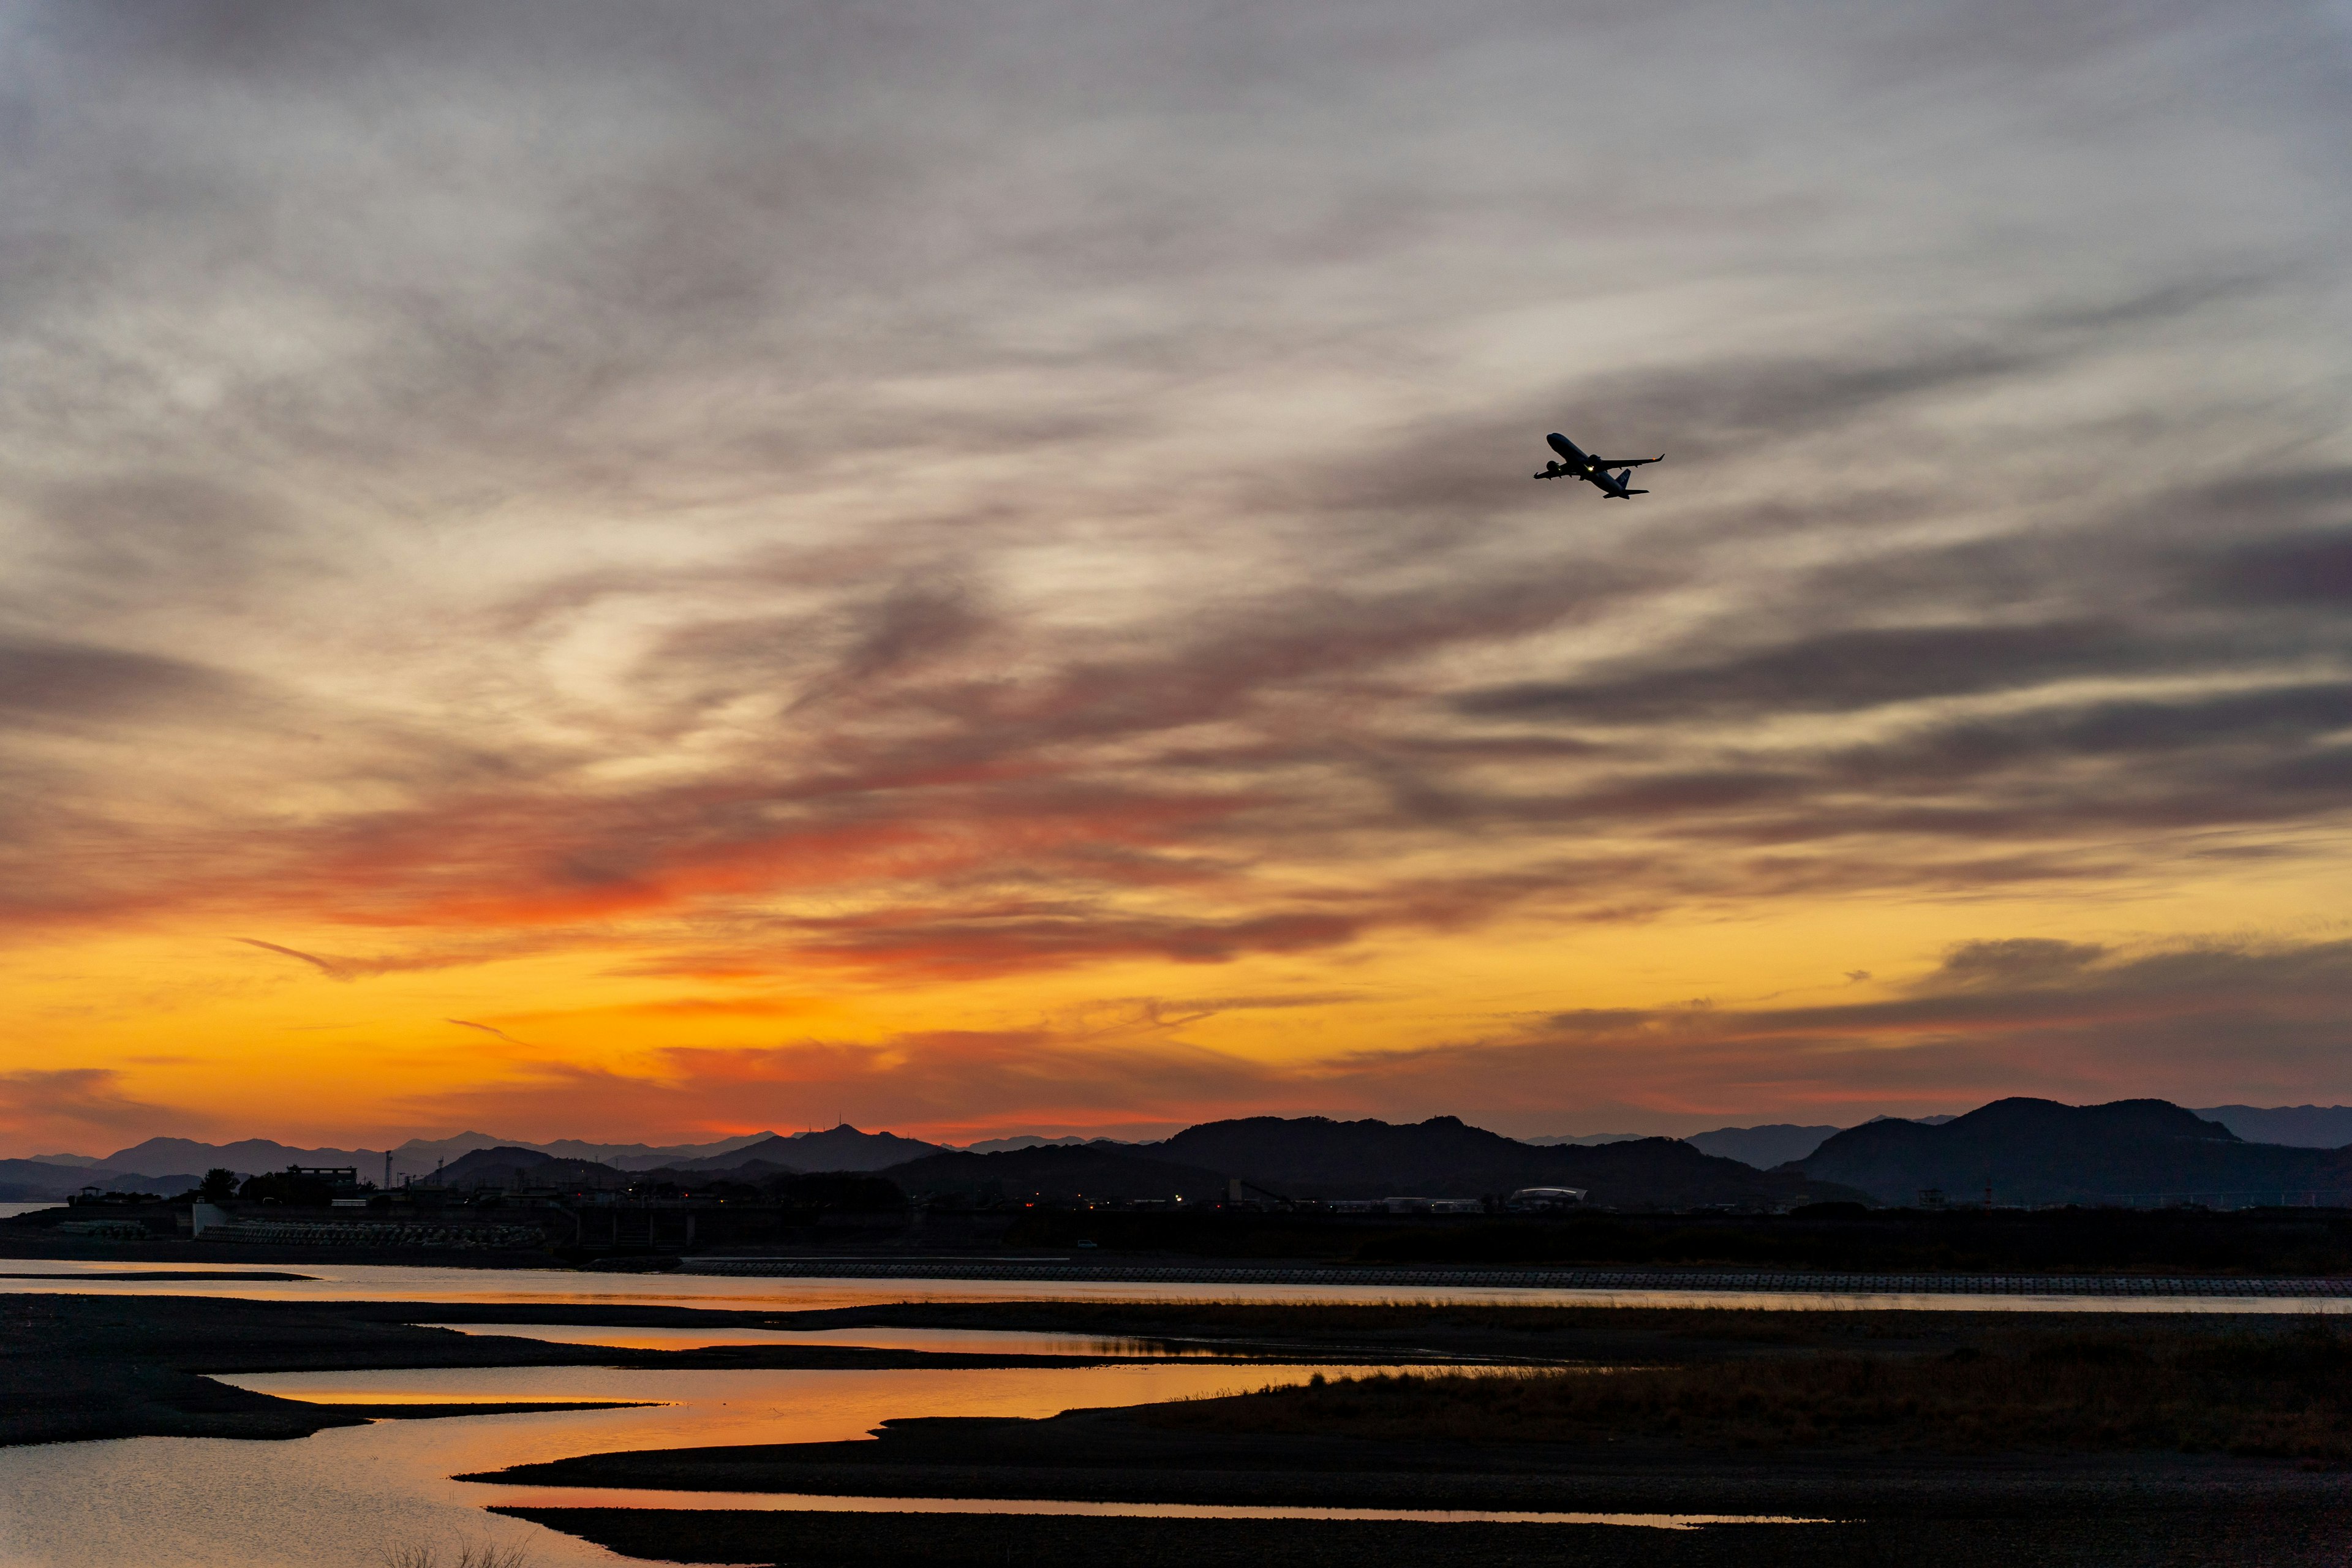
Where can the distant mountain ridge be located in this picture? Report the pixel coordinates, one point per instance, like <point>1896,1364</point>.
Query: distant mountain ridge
<point>1316,1157</point>
<point>2295,1126</point>
<point>33,1181</point>
<point>842,1148</point>
<point>1586,1139</point>
<point>514,1166</point>
<point>1762,1147</point>
<point>1037,1140</point>
<point>2041,1152</point>
<point>1062,1173</point>
<point>2048,1152</point>
<point>175,1165</point>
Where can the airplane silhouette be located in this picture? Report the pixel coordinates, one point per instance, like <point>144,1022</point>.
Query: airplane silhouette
<point>1592,471</point>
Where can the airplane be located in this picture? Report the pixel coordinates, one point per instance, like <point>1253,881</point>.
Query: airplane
<point>1594,470</point>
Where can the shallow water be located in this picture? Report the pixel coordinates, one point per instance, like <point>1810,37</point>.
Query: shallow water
<point>955,1341</point>
<point>338,1499</point>
<point>809,1502</point>
<point>331,1281</point>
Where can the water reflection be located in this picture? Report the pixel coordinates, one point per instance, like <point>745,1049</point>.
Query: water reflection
<point>955,1341</point>
<point>368,1282</point>
<point>810,1502</point>
<point>336,1499</point>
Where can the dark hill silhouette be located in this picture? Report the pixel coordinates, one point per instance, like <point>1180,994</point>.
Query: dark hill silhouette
<point>512,1167</point>
<point>1316,1157</point>
<point>2297,1126</point>
<point>2041,1152</point>
<point>842,1148</point>
<point>23,1180</point>
<point>1060,1176</point>
<point>1762,1147</point>
<point>251,1156</point>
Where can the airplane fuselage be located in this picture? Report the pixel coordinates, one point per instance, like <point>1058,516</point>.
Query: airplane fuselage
<point>1576,457</point>
<point>1575,463</point>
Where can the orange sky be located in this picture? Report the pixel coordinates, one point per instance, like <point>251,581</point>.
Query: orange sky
<point>585,579</point>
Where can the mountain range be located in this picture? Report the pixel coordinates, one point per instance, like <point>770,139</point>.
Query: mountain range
<point>1302,1157</point>
<point>175,1165</point>
<point>2040,1151</point>
<point>2032,1150</point>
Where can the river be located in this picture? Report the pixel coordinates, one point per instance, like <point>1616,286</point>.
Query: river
<point>339,1499</point>
<point>328,1281</point>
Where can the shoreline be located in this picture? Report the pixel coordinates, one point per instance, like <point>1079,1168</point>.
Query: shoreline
<point>220,1260</point>
<point>1696,1280</point>
<point>2296,1537</point>
<point>94,1366</point>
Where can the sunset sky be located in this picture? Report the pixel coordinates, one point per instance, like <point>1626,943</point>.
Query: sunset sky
<point>652,570</point>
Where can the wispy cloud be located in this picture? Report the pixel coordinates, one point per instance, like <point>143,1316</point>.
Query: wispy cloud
<point>550,483</point>
<point>63,1106</point>
<point>1995,1016</point>
<point>491,1030</point>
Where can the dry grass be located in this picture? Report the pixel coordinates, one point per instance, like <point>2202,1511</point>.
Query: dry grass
<point>2262,1392</point>
<point>1318,1320</point>
<point>466,1555</point>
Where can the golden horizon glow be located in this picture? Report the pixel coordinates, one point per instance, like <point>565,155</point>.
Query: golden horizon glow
<point>605,582</point>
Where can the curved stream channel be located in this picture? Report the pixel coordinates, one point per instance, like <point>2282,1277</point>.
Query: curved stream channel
<point>340,1497</point>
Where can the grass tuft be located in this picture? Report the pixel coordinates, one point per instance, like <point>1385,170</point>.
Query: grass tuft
<point>467,1554</point>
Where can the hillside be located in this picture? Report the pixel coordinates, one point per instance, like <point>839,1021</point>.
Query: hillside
<point>518,1167</point>
<point>31,1180</point>
<point>1316,1157</point>
<point>1762,1147</point>
<point>2297,1126</point>
<point>2040,1151</point>
<point>1064,1174</point>
<point>842,1148</point>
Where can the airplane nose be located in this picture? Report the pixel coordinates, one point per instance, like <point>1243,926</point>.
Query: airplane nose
<point>1563,445</point>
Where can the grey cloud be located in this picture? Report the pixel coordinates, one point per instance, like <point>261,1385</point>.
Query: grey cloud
<point>2278,718</point>
<point>2017,959</point>
<point>1718,410</point>
<point>54,682</point>
<point>2004,1016</point>
<point>1861,667</point>
<point>45,1101</point>
<point>929,370</point>
<point>2312,569</point>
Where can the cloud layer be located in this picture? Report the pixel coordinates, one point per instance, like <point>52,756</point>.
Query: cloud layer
<point>621,509</point>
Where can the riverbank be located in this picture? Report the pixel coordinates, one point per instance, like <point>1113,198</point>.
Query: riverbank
<point>77,1368</point>
<point>2276,1252</point>
<point>2295,1535</point>
<point>125,1365</point>
<point>1592,1441</point>
<point>2060,1445</point>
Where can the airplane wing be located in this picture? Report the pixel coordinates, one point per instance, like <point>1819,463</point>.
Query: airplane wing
<point>1626,462</point>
